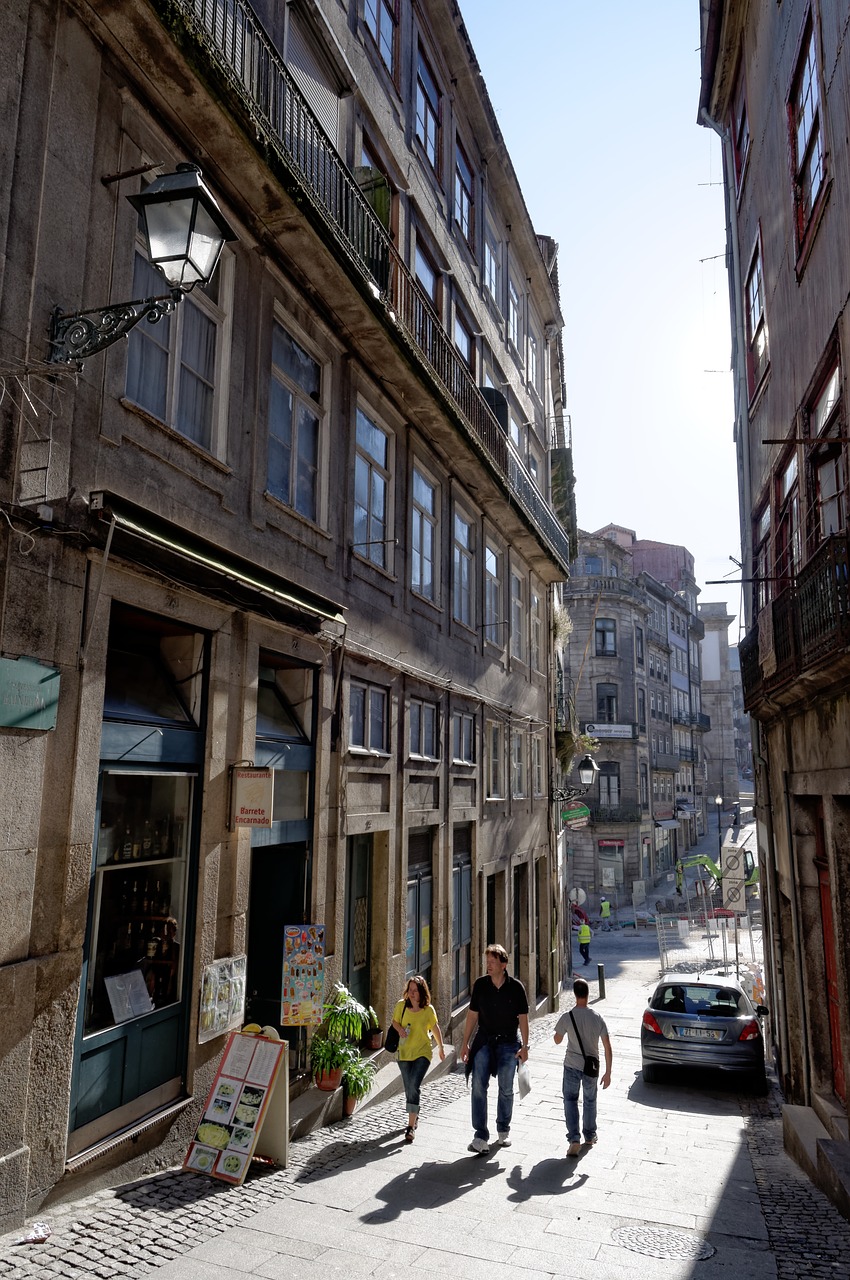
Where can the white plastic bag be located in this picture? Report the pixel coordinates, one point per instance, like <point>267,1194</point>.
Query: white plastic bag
<point>523,1079</point>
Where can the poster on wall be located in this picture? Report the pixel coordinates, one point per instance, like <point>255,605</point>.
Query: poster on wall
<point>228,1134</point>
<point>222,997</point>
<point>303,975</point>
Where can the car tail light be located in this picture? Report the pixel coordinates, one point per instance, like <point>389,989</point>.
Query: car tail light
<point>650,1023</point>
<point>751,1031</point>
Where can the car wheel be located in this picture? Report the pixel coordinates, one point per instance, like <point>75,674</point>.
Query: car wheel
<point>650,1073</point>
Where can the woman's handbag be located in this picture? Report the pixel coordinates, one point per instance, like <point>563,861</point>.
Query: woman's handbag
<point>391,1040</point>
<point>591,1062</point>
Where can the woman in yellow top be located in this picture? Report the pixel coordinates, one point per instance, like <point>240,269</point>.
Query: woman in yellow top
<point>415,1019</point>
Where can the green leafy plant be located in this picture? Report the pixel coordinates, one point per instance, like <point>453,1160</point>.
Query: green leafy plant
<point>358,1077</point>
<point>333,1042</point>
<point>328,1055</point>
<point>374,1021</point>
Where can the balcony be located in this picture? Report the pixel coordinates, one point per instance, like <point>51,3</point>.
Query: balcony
<point>665,760</point>
<point>687,753</point>
<point>283,126</point>
<point>699,720</point>
<point>614,813</point>
<point>806,632</point>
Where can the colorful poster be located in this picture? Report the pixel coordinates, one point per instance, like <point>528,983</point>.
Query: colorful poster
<point>236,1106</point>
<point>303,975</point>
<point>222,997</point>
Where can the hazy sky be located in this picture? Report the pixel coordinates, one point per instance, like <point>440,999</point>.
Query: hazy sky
<point>597,103</point>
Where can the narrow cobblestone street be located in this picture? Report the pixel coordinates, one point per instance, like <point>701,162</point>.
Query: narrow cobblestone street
<point>681,1169</point>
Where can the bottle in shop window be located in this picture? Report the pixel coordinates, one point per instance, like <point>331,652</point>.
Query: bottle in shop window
<point>135,901</point>
<point>146,899</point>
<point>127,845</point>
<point>153,942</point>
<point>137,844</point>
<point>147,841</point>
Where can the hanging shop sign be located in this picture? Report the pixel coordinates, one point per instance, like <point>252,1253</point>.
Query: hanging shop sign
<point>303,975</point>
<point>222,997</point>
<point>611,844</point>
<point>251,797</point>
<point>249,1091</point>
<point>29,694</point>
<point>610,730</point>
<point>575,814</point>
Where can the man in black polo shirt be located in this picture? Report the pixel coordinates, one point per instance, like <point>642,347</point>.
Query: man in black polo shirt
<point>495,1040</point>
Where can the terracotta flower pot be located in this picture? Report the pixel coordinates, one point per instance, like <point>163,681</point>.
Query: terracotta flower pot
<point>329,1080</point>
<point>348,1104</point>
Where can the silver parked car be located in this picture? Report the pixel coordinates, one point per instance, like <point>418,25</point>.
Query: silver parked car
<point>706,1021</point>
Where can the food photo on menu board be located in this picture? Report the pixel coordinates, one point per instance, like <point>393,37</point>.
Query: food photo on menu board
<point>303,974</point>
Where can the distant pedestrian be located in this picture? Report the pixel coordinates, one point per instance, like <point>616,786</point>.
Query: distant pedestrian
<point>495,1041</point>
<point>680,874</point>
<point>584,936</point>
<point>415,1019</point>
<point>583,1028</point>
<point>605,913</point>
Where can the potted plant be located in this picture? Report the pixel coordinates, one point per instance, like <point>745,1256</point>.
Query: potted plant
<point>357,1079</point>
<point>332,1047</point>
<point>373,1036</point>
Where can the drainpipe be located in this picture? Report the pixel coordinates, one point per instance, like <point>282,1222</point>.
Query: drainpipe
<point>798,947</point>
<point>776,972</point>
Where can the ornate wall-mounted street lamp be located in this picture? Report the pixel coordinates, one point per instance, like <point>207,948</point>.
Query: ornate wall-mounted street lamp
<point>185,231</point>
<point>718,800</point>
<point>587,771</point>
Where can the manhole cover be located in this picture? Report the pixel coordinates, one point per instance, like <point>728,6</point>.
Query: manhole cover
<point>656,1242</point>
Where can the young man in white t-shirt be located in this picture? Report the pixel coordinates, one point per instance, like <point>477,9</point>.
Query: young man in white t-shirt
<point>591,1029</point>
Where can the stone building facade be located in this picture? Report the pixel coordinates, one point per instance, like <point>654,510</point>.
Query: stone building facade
<point>719,698</point>
<point>775,84</point>
<point>305,523</point>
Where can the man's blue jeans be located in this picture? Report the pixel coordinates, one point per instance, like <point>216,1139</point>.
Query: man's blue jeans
<point>412,1075</point>
<point>506,1065</point>
<point>575,1080</point>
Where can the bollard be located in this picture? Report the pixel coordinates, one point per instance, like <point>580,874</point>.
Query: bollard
<point>600,974</point>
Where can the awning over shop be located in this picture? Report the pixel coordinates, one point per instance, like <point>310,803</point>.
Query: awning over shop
<point>669,824</point>
<point>204,567</point>
<point>685,810</point>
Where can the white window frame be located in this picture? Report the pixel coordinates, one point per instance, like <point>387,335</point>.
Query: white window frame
<point>519,770</point>
<point>463,569</point>
<point>318,409</point>
<point>493,604</point>
<point>535,654</point>
<point>376,550</point>
<point>518,616</point>
<point>538,773</point>
<point>360,734</point>
<point>492,264</point>
<point>463,737</point>
<point>424,722</point>
<point>424,535</point>
<point>495,760</point>
<point>514,316</point>
<point>220,314</point>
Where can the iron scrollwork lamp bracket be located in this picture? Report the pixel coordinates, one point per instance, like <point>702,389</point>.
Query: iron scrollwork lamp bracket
<point>80,334</point>
<point>563,794</point>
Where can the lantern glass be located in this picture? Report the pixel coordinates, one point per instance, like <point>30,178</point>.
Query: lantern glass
<point>185,228</point>
<point>587,770</point>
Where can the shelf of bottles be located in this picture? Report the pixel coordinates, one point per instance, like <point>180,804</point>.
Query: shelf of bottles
<point>140,892</point>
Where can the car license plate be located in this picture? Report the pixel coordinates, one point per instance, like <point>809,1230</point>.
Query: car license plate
<point>699,1033</point>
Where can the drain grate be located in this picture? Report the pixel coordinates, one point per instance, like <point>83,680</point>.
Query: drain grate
<point>657,1242</point>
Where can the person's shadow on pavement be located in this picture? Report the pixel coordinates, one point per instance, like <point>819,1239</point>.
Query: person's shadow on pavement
<point>431,1185</point>
<point>547,1178</point>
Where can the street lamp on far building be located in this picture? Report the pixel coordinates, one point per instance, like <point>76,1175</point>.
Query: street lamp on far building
<point>718,800</point>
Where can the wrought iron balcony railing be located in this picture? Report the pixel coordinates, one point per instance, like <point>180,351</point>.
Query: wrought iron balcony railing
<point>233,39</point>
<point>615,813</point>
<point>807,628</point>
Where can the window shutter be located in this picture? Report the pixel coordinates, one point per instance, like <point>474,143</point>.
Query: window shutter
<point>312,79</point>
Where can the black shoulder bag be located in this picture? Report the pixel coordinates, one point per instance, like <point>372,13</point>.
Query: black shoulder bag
<point>591,1062</point>
<point>392,1037</point>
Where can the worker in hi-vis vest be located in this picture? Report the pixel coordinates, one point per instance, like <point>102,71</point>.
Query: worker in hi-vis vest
<point>605,913</point>
<point>584,936</point>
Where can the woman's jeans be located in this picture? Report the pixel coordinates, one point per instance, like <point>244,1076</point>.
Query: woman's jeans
<point>412,1074</point>
<point>575,1080</point>
<point>506,1065</point>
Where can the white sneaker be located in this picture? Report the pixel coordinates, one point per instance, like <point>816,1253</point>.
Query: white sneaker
<point>504,1139</point>
<point>479,1146</point>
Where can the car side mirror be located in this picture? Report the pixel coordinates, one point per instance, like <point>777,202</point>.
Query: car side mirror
<point>762,1010</point>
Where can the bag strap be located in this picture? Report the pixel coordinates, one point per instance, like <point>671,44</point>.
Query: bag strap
<point>578,1034</point>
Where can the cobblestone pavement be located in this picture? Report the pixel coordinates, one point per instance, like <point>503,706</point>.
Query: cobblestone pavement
<point>132,1230</point>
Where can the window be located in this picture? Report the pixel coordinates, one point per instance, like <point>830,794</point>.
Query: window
<point>536,654</point>
<point>593,566</point>
<point>788,557</point>
<point>519,782</point>
<point>493,620</point>
<point>757,353</point>
<point>652,705</point>
<point>641,709</point>
<point>606,703</point>
<point>493,264</point>
<point>428,113</point>
<point>533,369</point>
<point>495,761</point>
<point>464,197</point>
<point>639,646</point>
<point>644,787</point>
<point>424,535</point>
<point>537,759</point>
<point>461,913</point>
<point>740,129</point>
<point>175,367</point>
<point>518,617</point>
<point>423,729</point>
<point>464,342</point>
<point>514,317</point>
<point>463,569</point>
<point>463,738</point>
<point>609,785</point>
<point>534,466</point>
<point>606,637</point>
<point>804,118</point>
<point>829,476</point>
<point>381,18</point>
<point>761,560</point>
<point>294,425</point>
<point>426,318</point>
<point>371,490</point>
<point>367,717</point>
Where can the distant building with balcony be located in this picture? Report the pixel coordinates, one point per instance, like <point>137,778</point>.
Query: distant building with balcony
<point>775,86</point>
<point>719,685</point>
<point>633,680</point>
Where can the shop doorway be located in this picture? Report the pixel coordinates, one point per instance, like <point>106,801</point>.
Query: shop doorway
<point>358,918</point>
